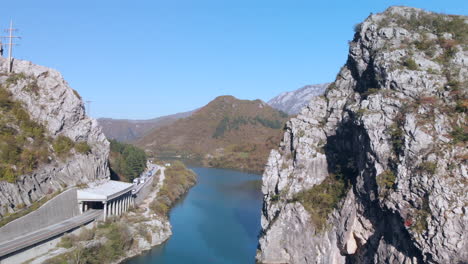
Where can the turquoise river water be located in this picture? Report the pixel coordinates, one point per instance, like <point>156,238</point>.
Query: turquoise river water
<point>218,221</point>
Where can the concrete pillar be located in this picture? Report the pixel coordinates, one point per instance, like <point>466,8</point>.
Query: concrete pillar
<point>85,206</point>
<point>118,206</point>
<point>80,206</point>
<point>105,210</point>
<point>111,211</point>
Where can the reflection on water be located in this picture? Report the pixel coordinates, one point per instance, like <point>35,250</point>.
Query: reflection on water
<point>217,222</point>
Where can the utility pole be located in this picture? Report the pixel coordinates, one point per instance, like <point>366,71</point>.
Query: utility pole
<point>10,44</point>
<point>88,103</point>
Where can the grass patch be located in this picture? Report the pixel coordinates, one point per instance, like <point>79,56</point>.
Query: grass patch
<point>459,134</point>
<point>63,145</point>
<point>83,147</point>
<point>23,142</point>
<point>410,64</point>
<point>428,167</point>
<point>321,199</point>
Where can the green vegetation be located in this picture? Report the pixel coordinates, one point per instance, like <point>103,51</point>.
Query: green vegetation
<point>321,199</point>
<point>227,124</point>
<point>178,180</point>
<point>431,23</point>
<point>459,134</point>
<point>226,133</point>
<point>23,143</point>
<point>63,145</point>
<point>13,78</point>
<point>386,181</point>
<point>420,224</point>
<point>118,241</point>
<point>428,167</point>
<point>410,64</point>
<point>127,161</point>
<point>83,147</point>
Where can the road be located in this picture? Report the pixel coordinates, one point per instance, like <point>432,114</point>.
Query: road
<point>149,179</point>
<point>48,232</point>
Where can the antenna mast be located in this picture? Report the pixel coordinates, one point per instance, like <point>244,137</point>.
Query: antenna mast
<point>10,44</point>
<point>88,103</point>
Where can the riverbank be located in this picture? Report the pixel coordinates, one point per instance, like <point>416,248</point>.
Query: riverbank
<point>216,222</point>
<point>133,233</point>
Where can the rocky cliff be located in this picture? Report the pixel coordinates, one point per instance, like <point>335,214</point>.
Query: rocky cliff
<point>375,171</point>
<point>292,102</point>
<point>42,98</point>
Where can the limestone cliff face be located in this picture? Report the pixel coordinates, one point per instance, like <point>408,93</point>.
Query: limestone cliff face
<point>60,110</point>
<point>388,140</point>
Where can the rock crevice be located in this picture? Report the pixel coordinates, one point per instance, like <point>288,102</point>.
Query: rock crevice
<point>374,171</point>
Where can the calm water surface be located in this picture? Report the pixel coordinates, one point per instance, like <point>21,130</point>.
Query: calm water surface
<point>216,222</point>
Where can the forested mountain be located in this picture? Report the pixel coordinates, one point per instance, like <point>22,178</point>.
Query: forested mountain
<point>227,133</point>
<point>127,162</point>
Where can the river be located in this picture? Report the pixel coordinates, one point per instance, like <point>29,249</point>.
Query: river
<point>216,222</point>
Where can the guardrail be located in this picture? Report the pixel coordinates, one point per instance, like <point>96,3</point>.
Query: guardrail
<point>46,233</point>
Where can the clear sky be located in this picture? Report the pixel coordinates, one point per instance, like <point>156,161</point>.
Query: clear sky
<point>143,59</point>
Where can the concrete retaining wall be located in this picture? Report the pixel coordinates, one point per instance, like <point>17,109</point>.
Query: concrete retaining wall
<point>43,251</point>
<point>60,208</point>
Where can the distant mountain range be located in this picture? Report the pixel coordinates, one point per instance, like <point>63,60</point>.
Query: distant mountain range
<point>226,133</point>
<point>132,130</point>
<point>292,102</point>
<point>125,130</point>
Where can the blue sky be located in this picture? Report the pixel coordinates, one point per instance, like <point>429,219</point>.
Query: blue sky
<point>143,59</point>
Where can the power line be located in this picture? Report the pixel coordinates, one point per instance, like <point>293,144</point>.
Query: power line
<point>10,44</point>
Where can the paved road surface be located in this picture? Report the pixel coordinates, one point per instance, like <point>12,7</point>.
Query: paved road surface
<point>48,232</point>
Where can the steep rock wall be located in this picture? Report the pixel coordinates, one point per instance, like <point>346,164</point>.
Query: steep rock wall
<point>388,140</point>
<point>60,109</point>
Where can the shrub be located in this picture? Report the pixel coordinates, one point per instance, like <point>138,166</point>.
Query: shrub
<point>420,224</point>
<point>83,147</point>
<point>459,134</point>
<point>410,64</point>
<point>397,137</point>
<point>427,167</point>
<point>321,199</point>
<point>7,174</point>
<point>62,145</point>
<point>13,78</point>
<point>386,180</point>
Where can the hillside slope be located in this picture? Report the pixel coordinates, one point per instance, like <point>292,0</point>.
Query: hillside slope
<point>375,171</point>
<point>130,130</point>
<point>227,132</point>
<point>292,102</point>
<point>47,143</point>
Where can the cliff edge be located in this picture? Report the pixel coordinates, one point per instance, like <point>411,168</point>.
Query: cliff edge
<point>47,143</point>
<point>375,171</point>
